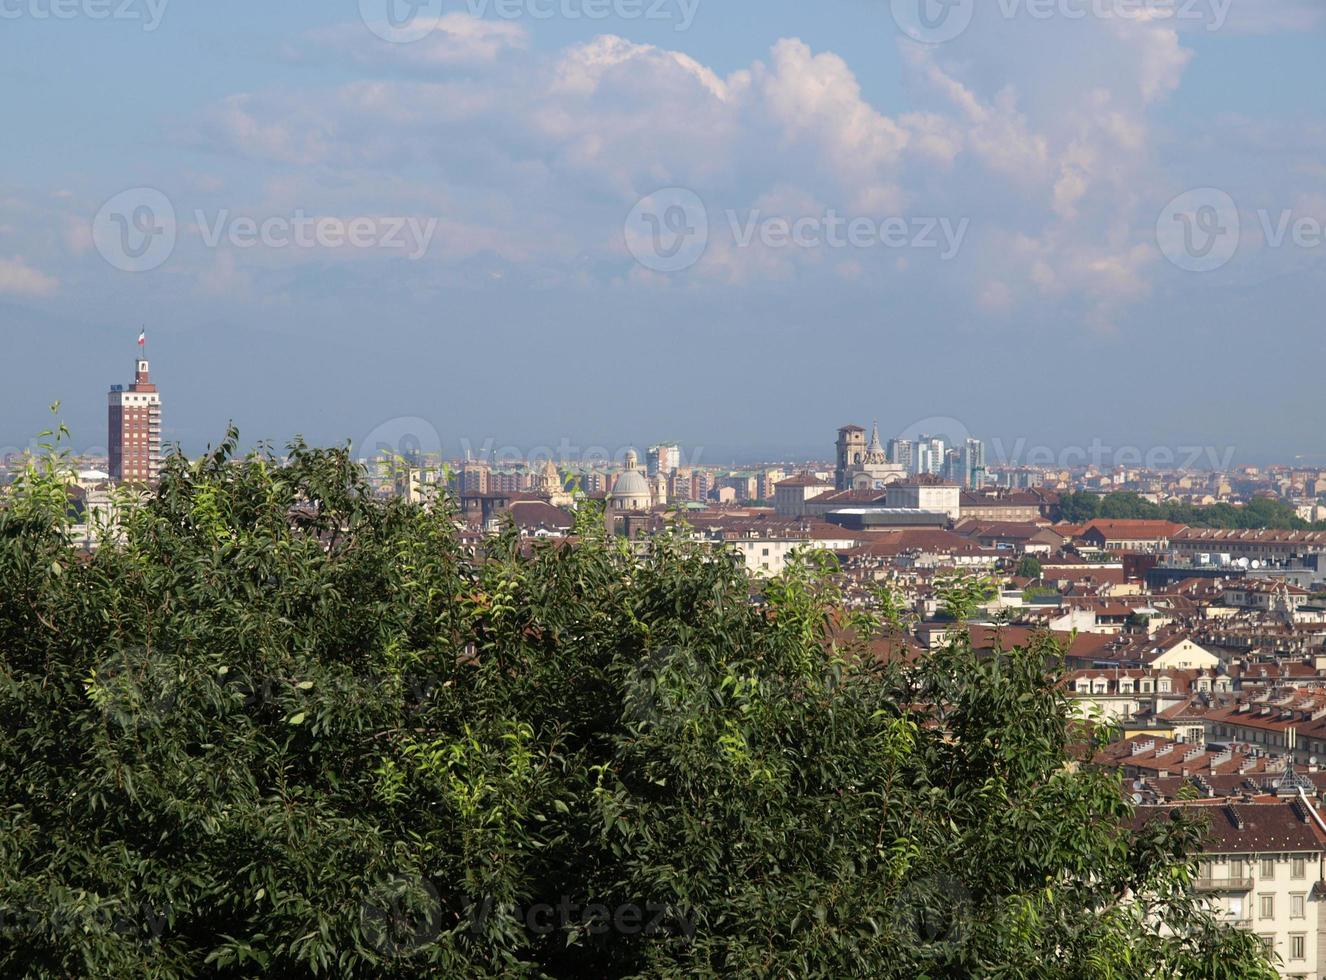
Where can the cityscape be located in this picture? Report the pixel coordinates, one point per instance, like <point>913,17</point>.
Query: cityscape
<point>652,488</point>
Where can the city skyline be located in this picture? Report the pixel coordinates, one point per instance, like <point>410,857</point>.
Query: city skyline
<point>1001,451</point>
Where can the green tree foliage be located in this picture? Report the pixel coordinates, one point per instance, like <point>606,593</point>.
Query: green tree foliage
<point>1258,514</point>
<point>1029,567</point>
<point>280,727</point>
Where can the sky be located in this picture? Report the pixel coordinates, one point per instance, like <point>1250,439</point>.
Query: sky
<point>1062,226</point>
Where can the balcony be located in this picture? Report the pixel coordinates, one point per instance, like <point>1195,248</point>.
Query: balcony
<point>1243,884</point>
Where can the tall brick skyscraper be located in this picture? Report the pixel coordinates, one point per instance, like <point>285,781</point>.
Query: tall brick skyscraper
<point>134,438</point>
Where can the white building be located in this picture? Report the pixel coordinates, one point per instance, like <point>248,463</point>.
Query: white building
<point>1262,872</point>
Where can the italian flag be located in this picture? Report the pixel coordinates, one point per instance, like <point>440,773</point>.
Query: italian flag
<point>142,338</point>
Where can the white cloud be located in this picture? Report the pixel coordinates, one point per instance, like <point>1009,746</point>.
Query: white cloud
<point>451,40</point>
<point>1042,135</point>
<point>18,278</point>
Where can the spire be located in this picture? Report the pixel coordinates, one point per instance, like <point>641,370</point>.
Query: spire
<point>875,446</point>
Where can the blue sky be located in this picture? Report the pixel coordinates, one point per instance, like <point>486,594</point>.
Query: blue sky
<point>502,163</point>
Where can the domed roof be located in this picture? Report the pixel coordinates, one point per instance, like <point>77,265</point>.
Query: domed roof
<point>631,484</point>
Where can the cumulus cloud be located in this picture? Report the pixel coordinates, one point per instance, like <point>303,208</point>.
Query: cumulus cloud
<point>537,157</point>
<point>18,278</point>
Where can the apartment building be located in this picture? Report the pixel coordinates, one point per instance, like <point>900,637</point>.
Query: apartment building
<point>1262,871</point>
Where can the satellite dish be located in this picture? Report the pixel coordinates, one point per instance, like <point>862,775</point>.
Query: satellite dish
<point>1312,760</point>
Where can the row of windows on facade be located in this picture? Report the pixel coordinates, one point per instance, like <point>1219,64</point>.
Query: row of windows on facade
<point>1101,686</point>
<point>1266,864</point>
<point>1298,947</point>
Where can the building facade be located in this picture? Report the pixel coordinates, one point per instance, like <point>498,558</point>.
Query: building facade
<point>133,437</point>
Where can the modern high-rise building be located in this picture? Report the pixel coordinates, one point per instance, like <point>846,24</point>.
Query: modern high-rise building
<point>134,429</point>
<point>973,463</point>
<point>663,458</point>
<point>900,451</point>
<point>475,477</point>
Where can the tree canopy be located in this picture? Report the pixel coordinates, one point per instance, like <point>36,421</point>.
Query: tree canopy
<point>281,726</point>
<point>1258,514</point>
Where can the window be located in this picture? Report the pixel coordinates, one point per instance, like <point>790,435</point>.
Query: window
<point>1268,944</point>
<point>1298,871</point>
<point>1234,906</point>
<point>1268,869</point>
<point>1266,906</point>
<point>1298,906</point>
<point>1298,947</point>
<point>1236,867</point>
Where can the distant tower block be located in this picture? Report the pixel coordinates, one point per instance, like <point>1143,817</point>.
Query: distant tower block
<point>134,429</point>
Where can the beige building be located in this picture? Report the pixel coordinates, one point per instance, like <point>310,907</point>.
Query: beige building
<point>790,495</point>
<point>1262,872</point>
<point>918,494</point>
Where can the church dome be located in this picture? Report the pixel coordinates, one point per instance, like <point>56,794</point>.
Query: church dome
<point>631,484</point>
